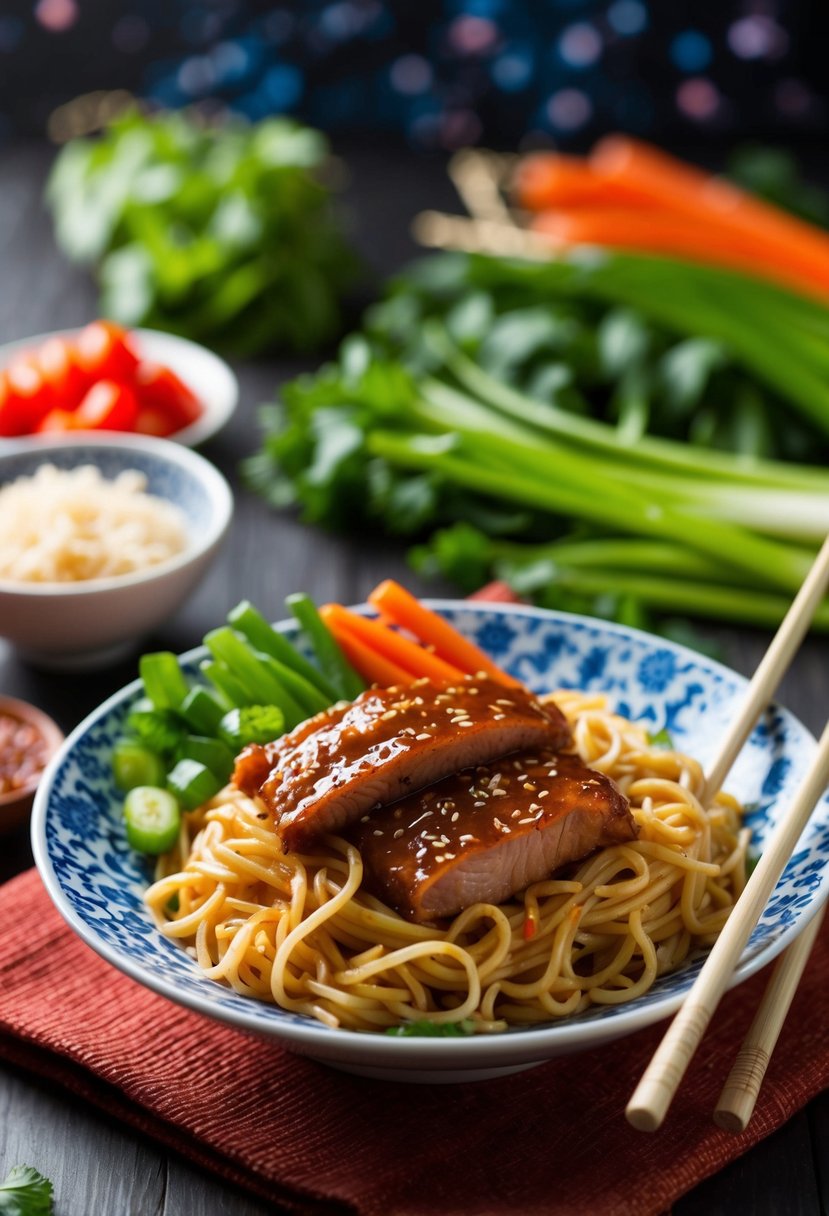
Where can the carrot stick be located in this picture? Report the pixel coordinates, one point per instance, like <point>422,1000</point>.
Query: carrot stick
<point>373,667</point>
<point>707,198</point>
<point>387,643</point>
<point>664,231</point>
<point>407,611</point>
<point>551,179</point>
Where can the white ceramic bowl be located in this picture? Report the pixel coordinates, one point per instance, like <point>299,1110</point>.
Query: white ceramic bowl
<point>87,624</point>
<point>97,883</point>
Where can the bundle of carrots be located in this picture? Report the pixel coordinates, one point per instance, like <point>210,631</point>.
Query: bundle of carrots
<point>627,194</point>
<point>406,642</point>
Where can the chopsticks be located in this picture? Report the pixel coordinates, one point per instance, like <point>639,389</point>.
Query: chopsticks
<point>740,1092</point>
<point>653,1095</point>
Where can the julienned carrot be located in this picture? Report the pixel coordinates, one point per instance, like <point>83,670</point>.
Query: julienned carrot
<point>545,180</point>
<point>389,645</point>
<point>393,601</point>
<point>695,192</point>
<point>663,231</point>
<point>373,667</point>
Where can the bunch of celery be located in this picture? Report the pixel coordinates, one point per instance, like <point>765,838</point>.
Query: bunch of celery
<point>613,433</point>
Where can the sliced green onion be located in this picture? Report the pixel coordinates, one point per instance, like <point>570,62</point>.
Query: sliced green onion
<point>226,682</point>
<point>211,752</point>
<point>249,621</point>
<point>251,670</point>
<point>329,656</point>
<point>152,818</point>
<point>202,711</point>
<point>134,764</point>
<point>193,783</point>
<point>164,682</point>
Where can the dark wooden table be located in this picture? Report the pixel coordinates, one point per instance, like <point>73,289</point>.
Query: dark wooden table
<point>99,1169</point>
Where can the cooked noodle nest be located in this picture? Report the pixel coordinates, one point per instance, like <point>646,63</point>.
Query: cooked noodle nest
<point>297,930</point>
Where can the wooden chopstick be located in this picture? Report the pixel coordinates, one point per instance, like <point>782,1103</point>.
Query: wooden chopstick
<point>740,1092</point>
<point>771,669</point>
<point>653,1095</point>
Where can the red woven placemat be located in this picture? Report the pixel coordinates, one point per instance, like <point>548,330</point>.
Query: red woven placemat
<point>551,1141</point>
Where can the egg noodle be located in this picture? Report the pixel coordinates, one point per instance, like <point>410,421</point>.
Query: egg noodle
<point>297,930</point>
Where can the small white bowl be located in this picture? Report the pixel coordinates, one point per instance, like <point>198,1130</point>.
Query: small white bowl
<point>83,625</point>
<point>208,376</point>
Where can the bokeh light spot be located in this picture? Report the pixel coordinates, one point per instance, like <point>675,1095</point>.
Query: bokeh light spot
<point>698,99</point>
<point>513,70</point>
<point>282,85</point>
<point>57,15</point>
<point>196,75</point>
<point>691,51</point>
<point>411,74</point>
<point>627,17</point>
<point>569,109</point>
<point>757,37</point>
<point>580,45</point>
<point>473,35</point>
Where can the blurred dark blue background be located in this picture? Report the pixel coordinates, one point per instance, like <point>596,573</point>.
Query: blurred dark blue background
<point>437,74</point>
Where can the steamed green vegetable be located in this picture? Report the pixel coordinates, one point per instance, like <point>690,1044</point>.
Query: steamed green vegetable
<point>612,433</point>
<point>180,739</point>
<point>221,232</point>
<point>152,817</point>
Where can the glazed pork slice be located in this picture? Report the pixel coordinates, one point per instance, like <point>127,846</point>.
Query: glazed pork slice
<point>487,833</point>
<point>386,743</point>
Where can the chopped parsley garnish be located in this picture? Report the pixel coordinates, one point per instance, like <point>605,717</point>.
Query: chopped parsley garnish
<point>26,1192</point>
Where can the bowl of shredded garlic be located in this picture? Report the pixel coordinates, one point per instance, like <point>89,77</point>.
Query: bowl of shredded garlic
<point>101,539</point>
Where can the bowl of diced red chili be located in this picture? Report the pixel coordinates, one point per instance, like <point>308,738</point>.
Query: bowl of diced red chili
<point>28,740</point>
<point>106,378</point>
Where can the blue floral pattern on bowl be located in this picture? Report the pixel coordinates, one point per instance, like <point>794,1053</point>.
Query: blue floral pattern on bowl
<point>97,882</point>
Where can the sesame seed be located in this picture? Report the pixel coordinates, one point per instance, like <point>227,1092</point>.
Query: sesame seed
<point>390,713</point>
<point>528,785</point>
<point>499,793</point>
<point>535,807</point>
<point>455,816</point>
<point>398,833</point>
<point>544,794</point>
<point>479,804</point>
<point>377,832</point>
<point>423,735</point>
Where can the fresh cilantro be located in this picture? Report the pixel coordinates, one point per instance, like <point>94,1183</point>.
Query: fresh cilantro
<point>26,1192</point>
<point>425,1029</point>
<point>662,738</point>
<point>222,232</point>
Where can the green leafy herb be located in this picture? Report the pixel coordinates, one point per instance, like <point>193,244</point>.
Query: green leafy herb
<point>661,738</point>
<point>613,434</point>
<point>25,1192</point>
<point>432,1030</point>
<point>224,233</point>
